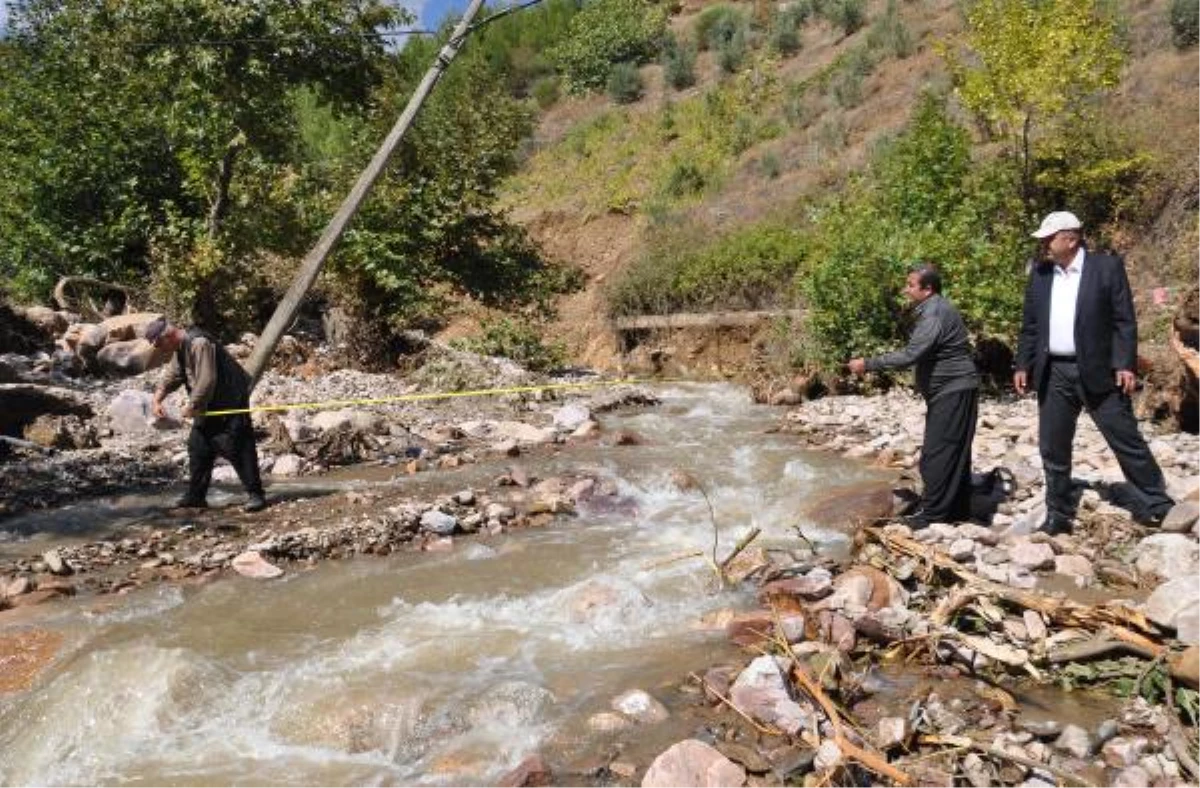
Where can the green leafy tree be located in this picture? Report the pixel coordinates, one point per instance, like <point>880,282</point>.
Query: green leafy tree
<point>607,32</point>
<point>143,130</point>
<point>1025,63</point>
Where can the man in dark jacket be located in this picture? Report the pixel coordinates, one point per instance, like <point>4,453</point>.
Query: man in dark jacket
<point>214,382</point>
<point>946,377</point>
<point>1077,350</point>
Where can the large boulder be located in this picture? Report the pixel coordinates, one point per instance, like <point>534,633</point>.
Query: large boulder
<point>21,404</point>
<point>123,328</point>
<point>129,357</point>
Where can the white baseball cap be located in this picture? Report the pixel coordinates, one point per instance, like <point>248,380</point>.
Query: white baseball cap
<point>1057,222</point>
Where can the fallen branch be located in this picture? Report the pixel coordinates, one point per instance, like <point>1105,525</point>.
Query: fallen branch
<point>869,759</point>
<point>1069,778</point>
<point>24,444</point>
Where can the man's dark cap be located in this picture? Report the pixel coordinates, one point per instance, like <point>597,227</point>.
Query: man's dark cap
<point>154,329</point>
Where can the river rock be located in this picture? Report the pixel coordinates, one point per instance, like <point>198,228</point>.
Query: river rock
<point>46,319</point>
<point>1132,777</point>
<point>692,762</point>
<point>1123,751</point>
<point>1074,740</point>
<point>761,692</point>
<point>129,357</point>
<point>608,722</point>
<point>640,706</point>
<point>1182,518</point>
<point>891,732</point>
<point>1168,556</point>
<point>1171,599</point>
<point>55,563</point>
<point>531,771</point>
<point>1031,555</point>
<point>252,564</point>
<point>438,522</point>
<point>571,416</point>
<point>288,465</point>
<point>1075,566</point>
<point>22,403</point>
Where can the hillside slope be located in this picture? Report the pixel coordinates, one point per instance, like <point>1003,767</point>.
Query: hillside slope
<point>597,183</point>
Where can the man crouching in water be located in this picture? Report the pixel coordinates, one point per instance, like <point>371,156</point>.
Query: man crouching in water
<point>214,381</point>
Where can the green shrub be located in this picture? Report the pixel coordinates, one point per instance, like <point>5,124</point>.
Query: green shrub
<point>785,40</point>
<point>732,52</point>
<point>849,15</point>
<point>1185,22</point>
<point>889,33</point>
<point>679,63</point>
<point>748,269</point>
<point>625,83</point>
<point>684,179</point>
<point>519,340</point>
<point>546,92</point>
<point>770,166</point>
<point>607,32</point>
<point>718,24</point>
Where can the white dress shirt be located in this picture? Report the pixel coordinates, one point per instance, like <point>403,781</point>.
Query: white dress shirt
<point>1063,294</point>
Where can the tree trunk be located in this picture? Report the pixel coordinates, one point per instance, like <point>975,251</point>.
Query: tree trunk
<point>220,204</point>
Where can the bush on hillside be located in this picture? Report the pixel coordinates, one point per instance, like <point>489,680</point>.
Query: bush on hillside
<point>679,63</point>
<point>849,15</point>
<point>625,83</point>
<point>751,268</point>
<point>517,339</point>
<point>923,200</point>
<point>889,34</point>
<point>718,24</point>
<point>1185,22</point>
<point>607,32</point>
<point>732,53</point>
<point>545,92</point>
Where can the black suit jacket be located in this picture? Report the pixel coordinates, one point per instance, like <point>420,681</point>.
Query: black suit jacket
<point>1105,324</point>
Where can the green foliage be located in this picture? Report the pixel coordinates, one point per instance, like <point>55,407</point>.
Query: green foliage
<point>1185,22</point>
<point>747,269</point>
<point>1094,169</point>
<point>923,201</point>
<point>519,340</point>
<point>679,63</point>
<point>785,28</point>
<point>607,32</point>
<point>889,33</point>
<point>1027,63</point>
<point>719,24</point>
<point>625,83</point>
<point>770,166</point>
<point>732,52</point>
<point>546,91</point>
<point>849,15</point>
<point>515,46</point>
<point>118,142</point>
<point>684,179</point>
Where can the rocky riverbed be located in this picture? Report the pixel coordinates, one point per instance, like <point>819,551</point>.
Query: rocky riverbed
<point>984,613</point>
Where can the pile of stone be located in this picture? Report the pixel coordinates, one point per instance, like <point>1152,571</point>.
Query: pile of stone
<point>372,525</point>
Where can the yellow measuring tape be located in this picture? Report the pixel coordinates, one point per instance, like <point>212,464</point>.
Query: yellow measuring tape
<point>435,395</point>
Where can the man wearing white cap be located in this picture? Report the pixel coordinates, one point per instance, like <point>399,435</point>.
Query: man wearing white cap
<point>1078,350</point>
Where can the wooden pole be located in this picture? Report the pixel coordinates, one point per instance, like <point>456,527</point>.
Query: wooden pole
<point>314,261</point>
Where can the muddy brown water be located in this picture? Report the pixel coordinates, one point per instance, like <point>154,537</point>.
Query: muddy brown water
<point>423,668</point>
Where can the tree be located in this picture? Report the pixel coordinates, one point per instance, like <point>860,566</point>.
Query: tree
<point>1032,61</point>
<point>134,122</point>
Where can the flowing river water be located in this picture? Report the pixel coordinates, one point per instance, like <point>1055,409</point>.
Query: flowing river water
<point>429,668</point>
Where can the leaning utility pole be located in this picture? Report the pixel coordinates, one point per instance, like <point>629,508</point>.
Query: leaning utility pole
<point>315,259</point>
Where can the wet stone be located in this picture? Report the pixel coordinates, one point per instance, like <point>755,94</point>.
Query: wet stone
<point>1074,740</point>
<point>1039,727</point>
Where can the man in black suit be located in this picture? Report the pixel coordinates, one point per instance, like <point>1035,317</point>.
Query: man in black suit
<point>1077,350</point>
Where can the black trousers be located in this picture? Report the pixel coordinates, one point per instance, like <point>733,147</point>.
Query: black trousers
<point>1059,404</point>
<point>946,455</point>
<point>231,437</point>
